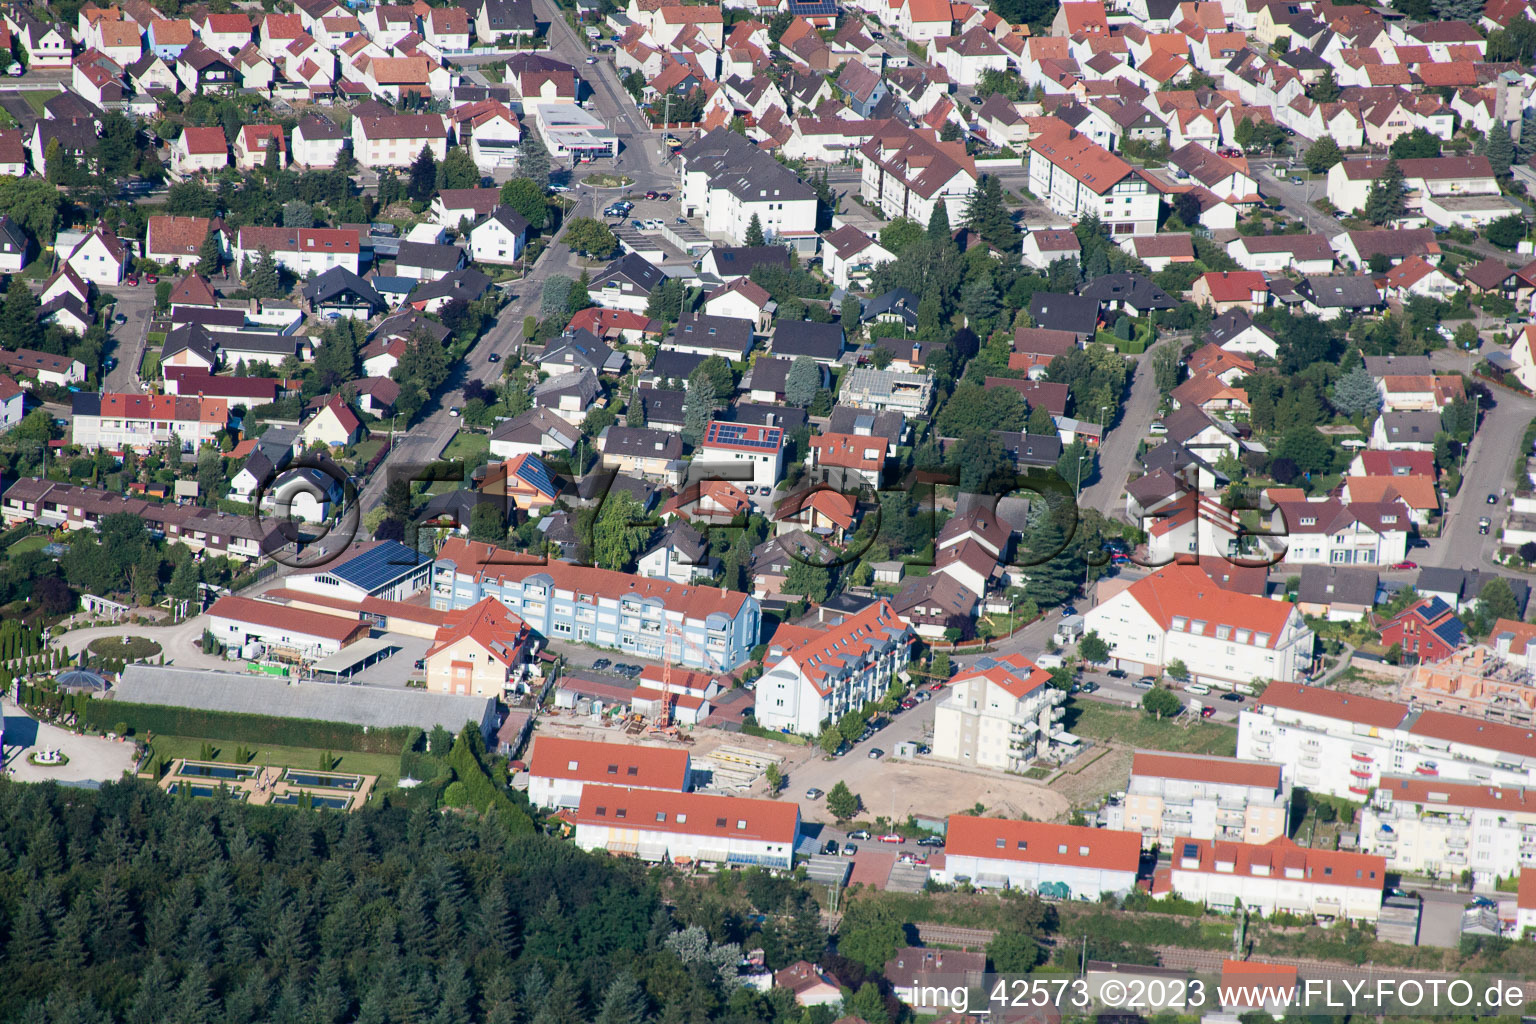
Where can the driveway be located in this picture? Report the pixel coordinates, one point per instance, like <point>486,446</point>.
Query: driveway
<point>91,758</point>
<point>176,641</point>
<point>129,338</point>
<point>1117,455</point>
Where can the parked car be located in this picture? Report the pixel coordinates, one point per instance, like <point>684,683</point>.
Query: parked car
<point>814,794</point>
<point>1068,609</point>
<point>875,753</point>
<point>831,848</point>
<point>1207,711</point>
<point>877,36</point>
<point>1483,524</point>
<point>1233,698</point>
<point>151,279</point>
<point>912,858</point>
<point>1405,565</point>
<point>1296,181</point>
<point>638,225</point>
<point>849,849</point>
<point>936,687</point>
<point>558,187</point>
<point>601,663</point>
<point>1116,673</point>
<point>1090,687</point>
<point>494,357</point>
<point>891,837</point>
<point>1493,499</point>
<point>908,704</point>
<point>665,197</point>
<point>1145,683</point>
<point>1157,428</point>
<point>859,834</point>
<point>591,60</point>
<point>131,281</point>
<point>455,412</point>
<point>651,194</point>
<point>931,841</point>
<point>119,319</point>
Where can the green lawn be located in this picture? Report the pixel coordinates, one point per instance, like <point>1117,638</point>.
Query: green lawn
<point>6,120</point>
<point>36,542</point>
<point>1098,721</point>
<point>36,98</point>
<point>472,447</point>
<point>385,766</point>
<point>132,648</point>
<point>150,367</point>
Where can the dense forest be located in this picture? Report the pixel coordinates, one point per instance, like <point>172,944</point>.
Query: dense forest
<point>126,904</point>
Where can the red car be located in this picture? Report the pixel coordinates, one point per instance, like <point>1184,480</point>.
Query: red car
<point>907,858</point>
<point>151,279</point>
<point>936,687</point>
<point>1207,712</point>
<point>651,194</point>
<point>890,838</point>
<point>131,281</point>
<point>1406,565</point>
<point>908,704</point>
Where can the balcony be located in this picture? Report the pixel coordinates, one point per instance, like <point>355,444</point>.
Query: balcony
<point>1456,841</point>
<point>1385,835</point>
<point>1310,761</point>
<point>1231,819</point>
<point>1457,858</point>
<point>1362,756</point>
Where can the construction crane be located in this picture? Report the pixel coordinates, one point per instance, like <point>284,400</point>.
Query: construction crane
<point>664,719</point>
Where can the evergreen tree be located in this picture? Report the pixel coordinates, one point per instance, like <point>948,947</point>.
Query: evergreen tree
<point>1387,199</point>
<point>802,381</point>
<point>580,298</point>
<point>527,198</point>
<point>210,255</point>
<point>754,235</point>
<point>698,407</point>
<point>19,326</point>
<point>987,215</point>
<point>555,295</point>
<point>938,223</point>
<point>533,159</point>
<point>457,170</point>
<point>1355,393</point>
<point>423,183</point>
<point>336,361</point>
<point>850,313</point>
<point>1499,148</point>
<point>624,1002</point>
<point>263,279</point>
<point>981,303</point>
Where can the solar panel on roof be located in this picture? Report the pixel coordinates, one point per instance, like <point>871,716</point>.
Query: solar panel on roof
<point>534,472</point>
<point>380,565</point>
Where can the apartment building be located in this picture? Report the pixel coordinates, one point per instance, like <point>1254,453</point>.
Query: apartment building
<point>68,507</point>
<point>395,141</point>
<point>1001,713</point>
<point>1277,876</point>
<point>1430,827</point>
<point>302,251</point>
<point>1062,861</point>
<point>906,172</point>
<point>1343,744</point>
<point>1190,796</point>
<point>727,181</point>
<point>865,387</point>
<point>702,627</point>
<point>1180,614</point>
<point>115,420</point>
<point>816,675</point>
<point>1329,532</point>
<point>480,651</point>
<point>688,827</point>
<point>1349,181</point>
<point>559,769</point>
<point>1076,176</point>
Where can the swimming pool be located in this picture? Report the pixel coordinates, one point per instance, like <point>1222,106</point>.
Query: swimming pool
<point>199,770</point>
<point>205,792</point>
<point>322,781</point>
<point>338,803</point>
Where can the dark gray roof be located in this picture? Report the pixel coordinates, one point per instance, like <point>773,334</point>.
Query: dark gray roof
<point>790,417</point>
<point>734,163</point>
<point>1131,289</point>
<point>730,335</point>
<point>1342,292</point>
<point>12,233</point>
<point>1413,366</point>
<point>767,374</point>
<point>896,302</point>
<point>1030,450</point>
<point>1464,585</point>
<point>531,426</point>
<point>661,406</point>
<point>674,365</point>
<point>732,261</point>
<point>506,16</point>
<point>508,218</point>
<point>339,281</point>
<point>1075,313</point>
<point>190,338</point>
<point>316,128</point>
<point>807,338</point>
<point>689,542</point>
<point>579,349</point>
<point>633,268</point>
<point>408,322</point>
<point>1325,584</point>
<point>1228,326</point>
<point>467,284</point>
<point>887,423</point>
<point>1410,427</point>
<point>428,256</point>
<point>641,443</point>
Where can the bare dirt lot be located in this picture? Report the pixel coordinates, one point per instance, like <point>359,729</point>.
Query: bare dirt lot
<point>1101,771</point>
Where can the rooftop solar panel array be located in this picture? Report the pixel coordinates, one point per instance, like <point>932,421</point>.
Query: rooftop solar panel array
<point>745,435</point>
<point>379,565</point>
<point>536,474</point>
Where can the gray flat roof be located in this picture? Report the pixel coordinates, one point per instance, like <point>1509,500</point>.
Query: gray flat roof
<point>373,706</point>
<point>354,654</point>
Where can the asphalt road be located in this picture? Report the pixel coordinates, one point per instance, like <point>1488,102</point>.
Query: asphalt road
<point>129,339</point>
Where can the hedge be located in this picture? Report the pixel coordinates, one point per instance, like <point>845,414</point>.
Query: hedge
<point>478,790</point>
<point>251,730</point>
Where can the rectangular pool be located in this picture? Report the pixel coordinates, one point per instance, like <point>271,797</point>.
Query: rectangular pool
<point>205,792</point>
<point>322,780</point>
<point>337,803</point>
<point>202,770</point>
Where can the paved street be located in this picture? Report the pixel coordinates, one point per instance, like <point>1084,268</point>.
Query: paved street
<point>129,339</point>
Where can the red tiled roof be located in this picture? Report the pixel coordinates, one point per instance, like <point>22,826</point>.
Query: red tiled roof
<point>1185,591</point>
<point>1194,768</point>
<point>698,814</point>
<point>488,623</point>
<point>1280,859</point>
<point>1039,843</point>
<point>1314,700</point>
<point>302,621</point>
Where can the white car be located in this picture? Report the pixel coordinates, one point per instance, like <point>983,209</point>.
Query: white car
<point>557,187</point>
<point>455,412</point>
<point>591,60</point>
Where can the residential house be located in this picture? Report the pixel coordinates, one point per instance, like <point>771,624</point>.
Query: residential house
<point>480,651</point>
<point>199,149</point>
<point>1202,797</point>
<point>999,713</point>
<point>559,769</point>
<point>1075,176</point>
<point>1059,861</point>
<point>813,676</point>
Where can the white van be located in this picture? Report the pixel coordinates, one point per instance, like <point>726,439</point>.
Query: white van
<point>1199,689</point>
